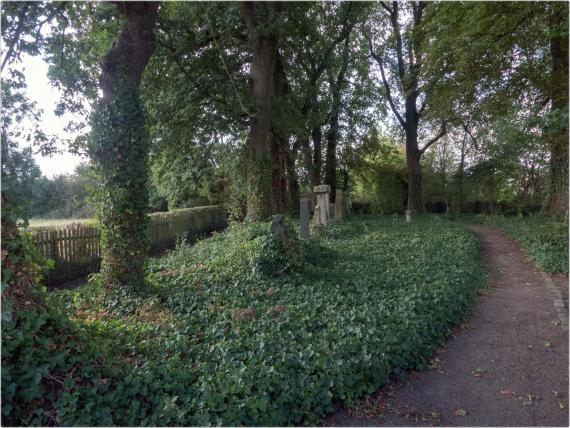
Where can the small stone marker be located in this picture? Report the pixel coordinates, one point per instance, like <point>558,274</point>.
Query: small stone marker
<point>278,227</point>
<point>338,205</point>
<point>408,216</point>
<point>304,218</point>
<point>323,208</point>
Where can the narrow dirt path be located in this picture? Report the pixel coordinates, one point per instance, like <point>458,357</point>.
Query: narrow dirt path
<point>507,367</point>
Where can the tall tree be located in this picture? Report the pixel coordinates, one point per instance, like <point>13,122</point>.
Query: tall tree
<point>336,84</point>
<point>558,192</point>
<point>119,146</point>
<point>264,149</point>
<point>405,50</point>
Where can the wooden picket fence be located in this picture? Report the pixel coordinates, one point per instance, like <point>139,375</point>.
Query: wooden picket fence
<point>76,248</point>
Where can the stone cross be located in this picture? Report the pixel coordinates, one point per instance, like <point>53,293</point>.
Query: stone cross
<point>323,208</point>
<point>338,205</point>
<point>304,218</point>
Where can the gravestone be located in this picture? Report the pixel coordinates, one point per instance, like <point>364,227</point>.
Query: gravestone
<point>408,216</point>
<point>317,217</point>
<point>278,227</point>
<point>322,210</point>
<point>338,206</point>
<point>304,218</point>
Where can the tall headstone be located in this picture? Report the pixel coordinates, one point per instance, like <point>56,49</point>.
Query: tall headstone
<point>323,208</point>
<point>304,218</point>
<point>408,216</point>
<point>338,208</point>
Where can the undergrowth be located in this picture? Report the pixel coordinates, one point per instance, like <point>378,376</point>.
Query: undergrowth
<point>236,330</point>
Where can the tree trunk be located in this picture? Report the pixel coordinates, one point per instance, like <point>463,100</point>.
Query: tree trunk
<point>414,181</point>
<point>332,136</point>
<point>316,165</point>
<point>263,149</point>
<point>279,149</point>
<point>413,154</point>
<point>119,147</point>
<point>460,176</point>
<point>292,179</point>
<point>558,192</point>
<point>330,161</point>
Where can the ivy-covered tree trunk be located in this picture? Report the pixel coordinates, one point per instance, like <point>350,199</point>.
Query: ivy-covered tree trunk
<point>119,147</point>
<point>558,192</point>
<point>261,19</point>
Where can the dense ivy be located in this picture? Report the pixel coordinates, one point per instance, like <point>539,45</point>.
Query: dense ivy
<point>213,340</point>
<point>119,147</point>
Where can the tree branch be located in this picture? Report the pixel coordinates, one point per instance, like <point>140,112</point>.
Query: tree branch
<point>16,36</point>
<point>398,36</point>
<point>385,82</point>
<point>441,133</point>
<point>466,129</point>
<point>385,6</point>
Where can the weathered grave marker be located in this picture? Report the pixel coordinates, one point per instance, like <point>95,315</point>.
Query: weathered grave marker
<point>408,216</point>
<point>322,210</point>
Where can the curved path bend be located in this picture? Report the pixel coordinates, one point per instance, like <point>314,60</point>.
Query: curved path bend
<point>508,366</point>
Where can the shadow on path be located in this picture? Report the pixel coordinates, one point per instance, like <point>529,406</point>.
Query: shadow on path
<point>507,367</point>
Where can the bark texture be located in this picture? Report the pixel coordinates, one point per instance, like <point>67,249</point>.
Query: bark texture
<point>267,152</point>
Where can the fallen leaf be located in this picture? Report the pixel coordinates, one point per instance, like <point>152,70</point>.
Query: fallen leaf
<point>460,412</point>
<point>561,405</point>
<point>508,392</point>
<point>477,372</point>
<point>556,393</point>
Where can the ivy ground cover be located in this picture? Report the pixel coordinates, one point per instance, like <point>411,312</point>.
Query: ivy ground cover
<point>230,331</point>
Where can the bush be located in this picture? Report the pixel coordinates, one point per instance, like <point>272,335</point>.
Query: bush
<point>215,340</point>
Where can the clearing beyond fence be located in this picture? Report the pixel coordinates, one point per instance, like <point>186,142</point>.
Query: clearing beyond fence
<point>76,250</point>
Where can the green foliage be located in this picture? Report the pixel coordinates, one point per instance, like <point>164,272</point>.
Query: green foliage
<point>65,195</point>
<point>119,147</point>
<point>213,340</point>
<point>544,240</point>
<point>277,256</point>
<point>379,174</point>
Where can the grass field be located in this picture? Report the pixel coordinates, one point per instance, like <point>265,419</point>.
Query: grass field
<point>51,222</point>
